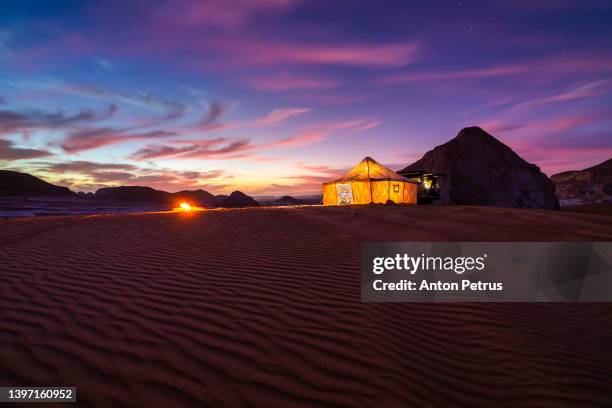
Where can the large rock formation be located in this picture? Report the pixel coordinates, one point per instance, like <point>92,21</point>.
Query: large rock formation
<point>134,194</point>
<point>585,186</point>
<point>16,184</point>
<point>238,199</point>
<point>480,170</point>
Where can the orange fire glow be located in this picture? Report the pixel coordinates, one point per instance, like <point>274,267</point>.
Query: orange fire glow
<point>184,206</point>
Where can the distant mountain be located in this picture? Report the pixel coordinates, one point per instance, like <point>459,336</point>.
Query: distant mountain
<point>219,199</point>
<point>16,184</point>
<point>135,194</point>
<point>198,197</point>
<point>311,199</point>
<point>590,185</point>
<point>288,200</point>
<point>238,199</point>
<point>481,170</point>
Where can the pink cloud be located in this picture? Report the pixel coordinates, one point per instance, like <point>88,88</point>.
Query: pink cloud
<point>193,149</point>
<point>285,82</point>
<point>226,13</point>
<point>316,133</point>
<point>94,175</point>
<point>552,66</point>
<point>556,159</point>
<point>585,90</point>
<point>325,98</point>
<point>89,139</point>
<point>267,53</point>
<point>431,76</point>
<point>556,143</point>
<point>301,139</point>
<point>281,115</point>
<point>544,126</point>
<point>9,152</point>
<point>221,148</point>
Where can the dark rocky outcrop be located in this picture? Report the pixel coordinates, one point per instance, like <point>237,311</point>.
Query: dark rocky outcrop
<point>198,197</point>
<point>590,185</point>
<point>219,199</point>
<point>287,200</point>
<point>85,195</point>
<point>16,184</point>
<point>149,195</point>
<point>135,194</point>
<point>480,170</point>
<point>238,199</point>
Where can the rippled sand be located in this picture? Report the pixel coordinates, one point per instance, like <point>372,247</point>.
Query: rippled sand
<point>262,307</point>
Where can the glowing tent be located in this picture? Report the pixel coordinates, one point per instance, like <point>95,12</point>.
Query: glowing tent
<point>369,182</point>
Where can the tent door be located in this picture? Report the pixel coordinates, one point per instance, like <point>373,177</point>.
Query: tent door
<point>344,193</point>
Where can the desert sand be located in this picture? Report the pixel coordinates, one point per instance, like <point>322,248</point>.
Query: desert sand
<point>262,307</point>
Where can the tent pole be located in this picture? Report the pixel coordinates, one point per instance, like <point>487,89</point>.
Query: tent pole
<point>370,181</point>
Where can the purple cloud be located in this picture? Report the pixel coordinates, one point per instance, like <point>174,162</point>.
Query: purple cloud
<point>12,121</point>
<point>9,152</point>
<point>89,139</point>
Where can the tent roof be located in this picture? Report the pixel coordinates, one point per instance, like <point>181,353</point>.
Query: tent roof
<point>370,169</point>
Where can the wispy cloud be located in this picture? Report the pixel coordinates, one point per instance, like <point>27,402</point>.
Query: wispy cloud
<point>285,82</point>
<point>9,152</point>
<point>365,55</point>
<point>27,121</point>
<point>88,175</point>
<point>172,109</point>
<point>222,148</point>
<point>227,13</point>
<point>211,116</point>
<point>280,115</point>
<point>105,64</point>
<point>80,137</point>
<point>88,139</point>
<point>319,132</point>
<point>191,149</point>
<point>417,76</point>
<point>548,125</point>
<point>553,66</point>
<point>571,93</point>
<point>5,52</point>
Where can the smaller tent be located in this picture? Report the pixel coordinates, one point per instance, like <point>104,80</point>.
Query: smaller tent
<point>369,182</point>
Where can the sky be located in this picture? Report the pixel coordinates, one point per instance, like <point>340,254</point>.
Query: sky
<point>274,97</point>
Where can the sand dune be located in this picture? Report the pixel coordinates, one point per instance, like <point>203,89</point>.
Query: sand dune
<point>262,307</point>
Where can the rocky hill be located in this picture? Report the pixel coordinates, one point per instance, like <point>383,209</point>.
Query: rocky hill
<point>135,194</point>
<point>288,200</point>
<point>590,185</point>
<point>197,197</point>
<point>16,184</point>
<point>238,199</point>
<point>480,170</point>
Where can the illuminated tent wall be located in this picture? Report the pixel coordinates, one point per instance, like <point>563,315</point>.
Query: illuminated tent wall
<point>369,182</point>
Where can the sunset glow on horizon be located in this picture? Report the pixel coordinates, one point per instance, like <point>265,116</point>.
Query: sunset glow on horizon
<point>275,97</point>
